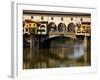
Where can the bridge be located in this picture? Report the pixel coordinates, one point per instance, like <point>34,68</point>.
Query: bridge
<point>65,34</point>
<point>45,29</point>
<point>56,34</point>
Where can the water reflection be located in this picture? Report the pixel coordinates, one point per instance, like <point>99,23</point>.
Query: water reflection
<point>60,52</point>
<point>78,50</point>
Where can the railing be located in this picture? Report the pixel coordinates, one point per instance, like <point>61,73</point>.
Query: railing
<point>68,33</point>
<point>61,33</point>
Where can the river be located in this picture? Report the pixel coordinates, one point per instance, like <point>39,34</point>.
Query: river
<point>62,52</point>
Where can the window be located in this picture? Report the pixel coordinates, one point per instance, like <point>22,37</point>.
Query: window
<point>30,24</point>
<point>27,26</point>
<point>32,17</point>
<point>52,26</point>
<point>61,18</point>
<point>71,27</point>
<point>81,19</point>
<point>88,27</point>
<point>26,29</point>
<point>83,27</point>
<point>42,26</point>
<point>71,19</point>
<point>61,27</point>
<point>34,24</point>
<point>51,18</point>
<point>42,17</point>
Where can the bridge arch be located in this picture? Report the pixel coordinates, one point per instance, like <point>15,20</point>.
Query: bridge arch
<point>67,36</point>
<point>61,27</point>
<point>47,41</point>
<point>71,27</point>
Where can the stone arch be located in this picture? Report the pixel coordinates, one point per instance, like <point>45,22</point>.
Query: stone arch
<point>61,27</point>
<point>71,27</point>
<point>52,26</point>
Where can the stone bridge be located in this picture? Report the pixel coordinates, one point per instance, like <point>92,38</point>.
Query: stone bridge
<point>65,34</point>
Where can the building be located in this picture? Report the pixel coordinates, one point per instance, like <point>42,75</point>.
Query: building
<point>83,28</point>
<point>79,23</point>
<point>30,26</point>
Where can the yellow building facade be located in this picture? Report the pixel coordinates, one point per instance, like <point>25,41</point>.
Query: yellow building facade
<point>30,26</point>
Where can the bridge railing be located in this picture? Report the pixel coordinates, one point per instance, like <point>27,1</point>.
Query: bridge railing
<point>63,33</point>
<point>67,33</point>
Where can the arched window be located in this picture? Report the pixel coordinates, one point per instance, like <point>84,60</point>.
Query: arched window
<point>71,27</point>
<point>61,27</point>
<point>52,26</point>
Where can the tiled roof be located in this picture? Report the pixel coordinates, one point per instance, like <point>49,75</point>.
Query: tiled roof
<point>30,21</point>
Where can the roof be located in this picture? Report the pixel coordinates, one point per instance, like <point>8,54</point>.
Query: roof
<point>56,13</point>
<point>30,21</point>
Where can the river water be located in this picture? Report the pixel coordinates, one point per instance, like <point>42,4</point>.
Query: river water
<point>62,52</point>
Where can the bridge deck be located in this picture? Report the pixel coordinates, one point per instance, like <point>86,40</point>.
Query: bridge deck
<point>61,33</point>
<point>67,34</point>
<point>85,34</point>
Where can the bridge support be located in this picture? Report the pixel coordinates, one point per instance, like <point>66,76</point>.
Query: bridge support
<point>85,50</point>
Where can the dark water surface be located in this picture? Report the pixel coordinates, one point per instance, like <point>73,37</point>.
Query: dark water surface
<point>61,52</point>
